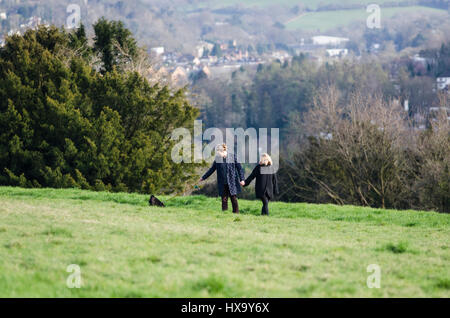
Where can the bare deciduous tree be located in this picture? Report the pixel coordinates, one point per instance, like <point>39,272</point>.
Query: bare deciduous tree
<point>364,140</point>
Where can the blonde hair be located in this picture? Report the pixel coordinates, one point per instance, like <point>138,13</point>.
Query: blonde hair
<point>265,160</point>
<point>222,149</point>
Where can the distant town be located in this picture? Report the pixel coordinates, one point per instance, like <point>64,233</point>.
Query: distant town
<point>214,59</point>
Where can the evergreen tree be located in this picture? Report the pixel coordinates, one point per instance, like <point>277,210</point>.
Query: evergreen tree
<point>63,124</point>
<point>78,41</point>
<point>114,43</point>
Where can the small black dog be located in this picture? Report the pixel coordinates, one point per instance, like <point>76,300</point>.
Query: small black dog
<point>155,202</point>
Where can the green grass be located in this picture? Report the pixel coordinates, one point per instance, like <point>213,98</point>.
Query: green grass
<point>191,249</point>
<point>328,20</point>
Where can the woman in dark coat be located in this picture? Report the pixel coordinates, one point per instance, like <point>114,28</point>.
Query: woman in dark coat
<point>230,177</point>
<point>266,182</point>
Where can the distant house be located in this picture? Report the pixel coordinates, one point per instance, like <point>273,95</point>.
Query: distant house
<point>33,22</point>
<point>199,51</point>
<point>14,32</point>
<point>213,59</point>
<point>418,59</point>
<point>179,76</point>
<point>3,16</point>
<point>421,64</point>
<point>337,52</point>
<point>203,47</point>
<point>443,82</point>
<point>375,48</point>
<point>280,55</point>
<point>185,59</point>
<point>158,50</point>
<point>434,111</point>
<point>206,71</point>
<point>328,40</point>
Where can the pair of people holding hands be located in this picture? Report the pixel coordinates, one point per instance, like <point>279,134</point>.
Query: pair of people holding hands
<point>230,178</point>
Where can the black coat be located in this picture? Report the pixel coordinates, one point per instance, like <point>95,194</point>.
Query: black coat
<point>229,172</point>
<point>266,183</point>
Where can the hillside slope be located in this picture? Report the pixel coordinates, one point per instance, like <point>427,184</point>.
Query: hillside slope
<point>190,249</point>
<point>323,21</point>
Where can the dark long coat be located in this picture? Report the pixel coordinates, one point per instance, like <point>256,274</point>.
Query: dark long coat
<point>266,183</point>
<point>234,175</point>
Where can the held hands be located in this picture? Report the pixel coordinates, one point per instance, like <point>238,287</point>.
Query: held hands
<point>242,182</point>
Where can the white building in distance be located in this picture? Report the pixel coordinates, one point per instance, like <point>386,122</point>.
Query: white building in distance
<point>328,40</point>
<point>158,50</point>
<point>337,52</point>
<point>442,82</point>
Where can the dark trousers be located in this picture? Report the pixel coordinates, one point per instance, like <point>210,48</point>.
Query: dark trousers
<point>234,201</point>
<point>265,201</point>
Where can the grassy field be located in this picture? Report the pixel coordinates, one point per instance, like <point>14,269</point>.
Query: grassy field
<point>328,20</point>
<point>191,249</point>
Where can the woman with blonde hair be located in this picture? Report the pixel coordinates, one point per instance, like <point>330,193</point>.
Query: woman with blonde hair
<point>266,182</point>
<point>230,177</point>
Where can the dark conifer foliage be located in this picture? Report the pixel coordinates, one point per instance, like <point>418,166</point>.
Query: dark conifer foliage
<point>66,123</point>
